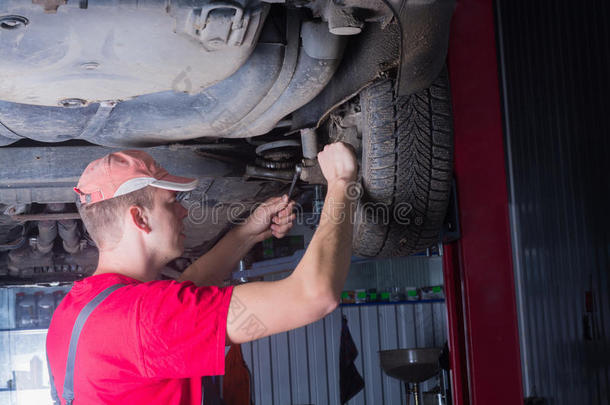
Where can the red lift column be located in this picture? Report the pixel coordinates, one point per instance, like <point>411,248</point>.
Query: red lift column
<point>479,279</point>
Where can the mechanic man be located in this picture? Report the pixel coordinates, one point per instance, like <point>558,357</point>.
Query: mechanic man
<point>150,341</point>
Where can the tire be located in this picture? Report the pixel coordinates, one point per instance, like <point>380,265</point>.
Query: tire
<point>407,159</point>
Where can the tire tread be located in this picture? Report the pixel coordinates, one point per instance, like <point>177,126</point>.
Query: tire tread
<point>418,128</point>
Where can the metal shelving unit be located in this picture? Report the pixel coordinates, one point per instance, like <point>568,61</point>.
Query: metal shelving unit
<point>24,377</point>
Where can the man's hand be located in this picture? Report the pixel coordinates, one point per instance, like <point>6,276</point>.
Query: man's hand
<point>272,218</point>
<point>313,289</point>
<point>338,162</point>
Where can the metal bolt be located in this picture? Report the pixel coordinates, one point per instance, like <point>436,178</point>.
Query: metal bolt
<point>11,22</point>
<point>72,102</point>
<point>90,65</point>
<point>342,20</point>
<point>215,43</point>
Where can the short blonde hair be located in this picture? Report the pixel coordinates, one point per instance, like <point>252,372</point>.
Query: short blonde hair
<point>104,220</point>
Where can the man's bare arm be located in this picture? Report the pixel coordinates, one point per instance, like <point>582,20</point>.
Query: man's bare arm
<point>313,289</point>
<point>217,264</point>
<point>273,218</point>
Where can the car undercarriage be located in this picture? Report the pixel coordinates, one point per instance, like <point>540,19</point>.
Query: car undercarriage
<point>240,95</point>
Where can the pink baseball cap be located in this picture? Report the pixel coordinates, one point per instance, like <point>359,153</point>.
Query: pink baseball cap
<point>123,172</point>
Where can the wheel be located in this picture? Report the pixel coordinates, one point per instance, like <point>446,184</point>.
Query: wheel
<point>407,158</point>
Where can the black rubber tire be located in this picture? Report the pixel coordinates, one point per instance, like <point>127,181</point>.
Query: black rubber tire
<point>407,160</point>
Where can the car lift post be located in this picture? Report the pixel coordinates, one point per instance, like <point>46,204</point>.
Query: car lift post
<point>479,279</point>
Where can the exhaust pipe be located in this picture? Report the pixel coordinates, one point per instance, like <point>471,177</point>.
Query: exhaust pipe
<point>69,233</point>
<point>47,232</point>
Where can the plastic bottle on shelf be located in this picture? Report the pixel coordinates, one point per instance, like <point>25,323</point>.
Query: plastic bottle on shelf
<point>371,295</point>
<point>412,293</point>
<point>58,296</point>
<point>46,305</point>
<point>25,310</point>
<point>360,296</point>
<point>397,294</point>
<point>348,297</point>
<point>18,315</point>
<point>384,295</point>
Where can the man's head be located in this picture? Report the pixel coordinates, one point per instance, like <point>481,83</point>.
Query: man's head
<point>128,193</point>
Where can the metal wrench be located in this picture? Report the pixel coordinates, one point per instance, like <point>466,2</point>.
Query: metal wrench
<point>297,172</point>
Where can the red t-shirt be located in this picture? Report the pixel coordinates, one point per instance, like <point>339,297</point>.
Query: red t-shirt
<point>146,343</point>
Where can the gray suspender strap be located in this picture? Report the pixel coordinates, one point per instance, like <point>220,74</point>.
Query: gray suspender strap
<point>68,393</point>
<point>54,395</point>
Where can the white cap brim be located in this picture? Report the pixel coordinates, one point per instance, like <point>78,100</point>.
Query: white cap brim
<point>175,186</point>
<point>169,182</point>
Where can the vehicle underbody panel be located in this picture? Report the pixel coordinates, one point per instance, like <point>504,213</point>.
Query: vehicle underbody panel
<point>117,51</point>
<point>144,73</point>
<point>175,78</point>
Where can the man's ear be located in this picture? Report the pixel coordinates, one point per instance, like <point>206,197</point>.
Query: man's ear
<point>139,218</point>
